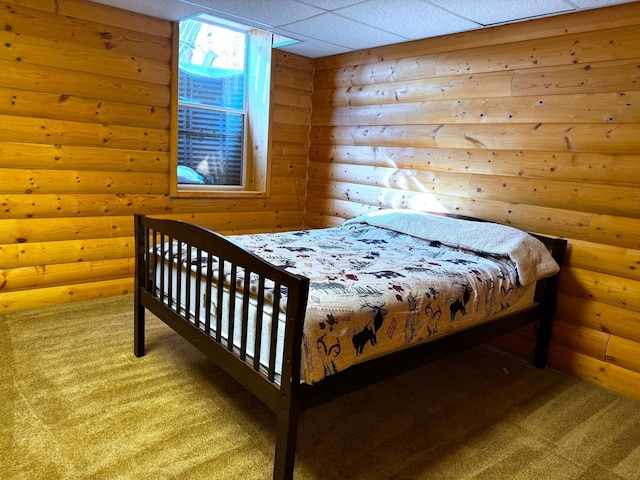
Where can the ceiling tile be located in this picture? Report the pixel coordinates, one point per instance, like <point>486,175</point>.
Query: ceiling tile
<point>313,48</point>
<point>412,19</point>
<point>490,12</point>
<point>343,31</point>
<point>287,11</point>
<point>176,10</point>
<point>597,3</point>
<point>330,4</point>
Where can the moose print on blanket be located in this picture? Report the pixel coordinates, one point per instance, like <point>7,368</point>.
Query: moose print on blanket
<point>460,303</point>
<point>368,333</point>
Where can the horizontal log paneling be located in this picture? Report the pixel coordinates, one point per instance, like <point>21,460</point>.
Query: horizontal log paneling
<point>84,141</point>
<point>614,230</point>
<point>589,108</point>
<point>527,217</point>
<point>20,299</point>
<point>81,205</point>
<point>285,132</point>
<point>302,65</point>
<point>56,229</point>
<point>581,339</point>
<point>26,278</point>
<point>619,75</point>
<point>399,70</point>
<point>623,352</point>
<point>600,198</point>
<point>600,372</point>
<point>622,262</point>
<point>61,106</point>
<point>534,125</point>
<point>412,180</point>
<point>40,78</point>
<point>600,287</point>
<point>295,115</point>
<point>594,138</point>
<point>283,201</point>
<point>289,76</point>
<point>16,255</point>
<point>437,88</point>
<point>72,157</point>
<point>61,54</point>
<point>22,20</point>
<point>73,181</point>
<point>45,5</point>
<point>292,97</point>
<point>581,167</point>
<point>599,316</point>
<point>68,132</point>
<point>588,197</point>
<point>592,46</point>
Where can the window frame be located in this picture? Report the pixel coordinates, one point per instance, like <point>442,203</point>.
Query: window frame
<point>257,125</point>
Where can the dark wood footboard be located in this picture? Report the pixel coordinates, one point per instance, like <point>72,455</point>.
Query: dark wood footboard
<point>177,300</point>
<point>201,304</point>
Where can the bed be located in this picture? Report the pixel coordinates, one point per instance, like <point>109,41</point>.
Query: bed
<point>299,318</point>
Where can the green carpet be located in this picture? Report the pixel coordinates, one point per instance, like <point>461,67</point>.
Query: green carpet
<point>76,404</point>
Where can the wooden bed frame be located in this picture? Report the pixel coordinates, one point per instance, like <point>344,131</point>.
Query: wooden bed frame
<point>289,396</point>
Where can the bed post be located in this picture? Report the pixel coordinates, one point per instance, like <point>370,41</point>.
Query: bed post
<point>543,338</point>
<point>286,439</point>
<point>289,408</point>
<point>139,309</point>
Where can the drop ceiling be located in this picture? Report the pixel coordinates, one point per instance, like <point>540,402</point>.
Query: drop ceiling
<point>330,27</point>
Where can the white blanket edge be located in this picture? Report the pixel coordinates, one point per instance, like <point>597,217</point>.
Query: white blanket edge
<point>532,259</point>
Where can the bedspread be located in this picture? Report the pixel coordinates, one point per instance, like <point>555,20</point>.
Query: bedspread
<point>374,289</point>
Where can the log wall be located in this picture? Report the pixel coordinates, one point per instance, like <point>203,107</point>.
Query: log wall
<point>84,144</point>
<point>535,125</point>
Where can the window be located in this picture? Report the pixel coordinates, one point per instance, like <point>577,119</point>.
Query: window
<point>221,116</point>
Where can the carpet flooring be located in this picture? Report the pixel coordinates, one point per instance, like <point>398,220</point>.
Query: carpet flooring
<point>76,404</point>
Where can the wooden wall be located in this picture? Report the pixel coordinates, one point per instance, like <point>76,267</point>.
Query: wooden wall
<point>535,125</point>
<point>84,144</point>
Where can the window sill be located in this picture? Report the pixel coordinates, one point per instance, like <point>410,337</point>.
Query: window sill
<point>219,193</point>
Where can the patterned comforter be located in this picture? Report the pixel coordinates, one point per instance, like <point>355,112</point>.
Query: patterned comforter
<point>382,282</point>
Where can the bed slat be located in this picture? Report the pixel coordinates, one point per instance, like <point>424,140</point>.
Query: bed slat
<point>220,296</point>
<point>273,338</point>
<point>162,268</point>
<point>259,317</point>
<point>246,294</point>
<point>198,287</point>
<point>232,304</point>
